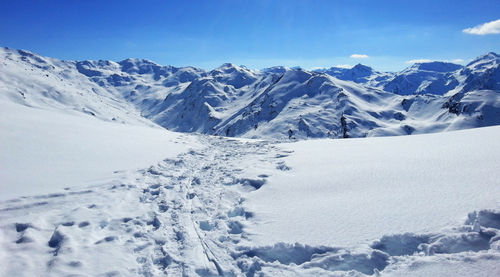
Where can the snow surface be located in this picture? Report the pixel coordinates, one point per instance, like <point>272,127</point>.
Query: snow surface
<point>382,186</point>
<point>46,150</point>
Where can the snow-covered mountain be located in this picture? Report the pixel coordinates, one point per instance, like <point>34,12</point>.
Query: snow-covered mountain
<point>143,83</point>
<point>482,73</point>
<point>422,78</point>
<point>277,102</point>
<point>439,78</point>
<point>41,82</point>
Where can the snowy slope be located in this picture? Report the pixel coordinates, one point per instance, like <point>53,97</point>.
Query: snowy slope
<point>358,182</point>
<point>399,206</point>
<point>47,150</point>
<point>36,81</point>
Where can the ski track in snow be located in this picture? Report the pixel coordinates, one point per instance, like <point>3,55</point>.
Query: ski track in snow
<point>186,217</point>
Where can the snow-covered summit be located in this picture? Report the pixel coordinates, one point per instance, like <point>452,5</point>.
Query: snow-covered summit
<point>236,76</point>
<point>362,70</point>
<point>358,73</point>
<point>481,73</point>
<point>486,60</point>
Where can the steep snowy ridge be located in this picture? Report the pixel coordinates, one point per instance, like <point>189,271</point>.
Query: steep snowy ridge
<point>277,102</point>
<point>482,73</point>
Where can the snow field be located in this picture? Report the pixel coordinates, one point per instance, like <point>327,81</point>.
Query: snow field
<point>382,186</point>
<point>234,207</point>
<point>46,150</point>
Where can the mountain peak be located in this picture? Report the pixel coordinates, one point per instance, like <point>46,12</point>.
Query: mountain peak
<point>485,61</point>
<point>227,65</point>
<point>490,56</point>
<point>229,68</point>
<point>362,68</point>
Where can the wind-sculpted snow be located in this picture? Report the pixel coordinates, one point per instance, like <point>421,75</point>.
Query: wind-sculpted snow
<point>276,103</point>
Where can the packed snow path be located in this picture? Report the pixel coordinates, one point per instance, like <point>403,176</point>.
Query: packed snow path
<point>186,217</point>
<point>180,217</point>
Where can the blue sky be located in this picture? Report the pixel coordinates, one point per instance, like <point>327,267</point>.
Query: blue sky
<point>257,33</point>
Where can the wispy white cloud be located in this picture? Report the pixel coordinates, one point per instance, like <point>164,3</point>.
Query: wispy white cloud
<point>488,28</point>
<point>457,61</point>
<point>359,56</point>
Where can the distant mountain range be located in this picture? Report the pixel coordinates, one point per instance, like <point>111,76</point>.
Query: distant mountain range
<point>276,102</point>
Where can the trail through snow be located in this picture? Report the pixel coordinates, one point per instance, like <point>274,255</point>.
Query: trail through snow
<point>182,217</point>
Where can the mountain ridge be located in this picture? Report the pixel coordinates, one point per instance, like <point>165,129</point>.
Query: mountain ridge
<point>276,102</point>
